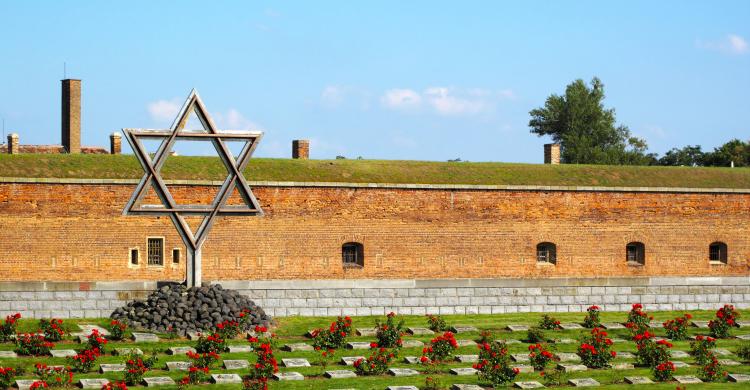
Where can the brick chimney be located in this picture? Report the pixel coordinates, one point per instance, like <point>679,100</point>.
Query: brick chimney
<point>552,154</point>
<point>301,149</point>
<point>115,143</point>
<point>13,143</point>
<point>71,115</point>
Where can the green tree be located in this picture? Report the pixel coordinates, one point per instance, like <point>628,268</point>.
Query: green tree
<point>586,131</point>
<point>734,151</point>
<point>689,156</point>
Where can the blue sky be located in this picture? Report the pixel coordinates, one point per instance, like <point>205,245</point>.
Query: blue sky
<point>419,80</point>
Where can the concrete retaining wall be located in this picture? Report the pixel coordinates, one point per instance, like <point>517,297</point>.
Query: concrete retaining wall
<point>377,297</point>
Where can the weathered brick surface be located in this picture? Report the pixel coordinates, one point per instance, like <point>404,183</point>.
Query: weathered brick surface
<point>77,232</point>
<point>71,115</point>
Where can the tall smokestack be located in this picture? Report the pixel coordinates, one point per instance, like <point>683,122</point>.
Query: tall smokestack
<point>71,115</point>
<point>301,149</point>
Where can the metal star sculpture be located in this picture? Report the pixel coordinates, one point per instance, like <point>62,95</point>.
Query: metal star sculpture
<point>152,178</point>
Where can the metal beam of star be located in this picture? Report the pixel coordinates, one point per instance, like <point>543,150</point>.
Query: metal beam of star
<point>152,172</point>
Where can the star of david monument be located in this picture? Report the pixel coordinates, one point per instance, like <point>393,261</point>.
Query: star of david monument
<point>178,213</point>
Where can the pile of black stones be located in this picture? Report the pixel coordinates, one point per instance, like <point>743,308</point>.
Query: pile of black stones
<point>189,309</point>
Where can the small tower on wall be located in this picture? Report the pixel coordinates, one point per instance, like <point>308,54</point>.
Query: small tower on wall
<point>71,115</point>
<point>552,154</point>
<point>301,149</point>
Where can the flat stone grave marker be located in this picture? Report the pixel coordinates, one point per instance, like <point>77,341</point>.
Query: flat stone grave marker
<point>61,353</point>
<point>225,378</point>
<point>420,331</point>
<point>528,385</point>
<point>311,333</point>
<point>583,382</point>
<point>625,355</point>
<point>357,345</point>
<point>180,350</point>
<point>729,362</point>
<point>88,328</point>
<point>145,337</point>
<point>367,332</point>
<point>252,333</point>
<point>507,341</point>
<point>619,341</point>
<point>738,377</point>
<point>568,357</point>
<point>127,351</point>
<point>402,388</point>
<point>680,354</point>
<point>288,376</point>
<point>463,371</point>
<point>299,347</point>
<point>638,380</point>
<point>159,381</point>
<point>564,341</point>
<point>700,324</point>
<point>349,360</point>
<point>412,343</point>
<point>679,364</point>
<point>466,343</point>
<point>295,362</point>
<point>236,364</point>
<point>686,379</point>
<point>522,368</point>
<point>340,374</point>
<point>464,329</point>
<point>194,335</point>
<point>612,325</point>
<point>572,367</point>
<point>517,328</point>
<point>178,366</point>
<point>742,323</point>
<point>103,368</point>
<point>8,354</point>
<point>467,358</point>
<point>412,359</point>
<point>240,348</point>
<point>25,384</point>
<point>655,324</point>
<point>570,326</point>
<point>623,366</point>
<point>93,383</point>
<point>520,357</point>
<point>461,386</point>
<point>743,336</point>
<point>722,352</point>
<point>402,372</point>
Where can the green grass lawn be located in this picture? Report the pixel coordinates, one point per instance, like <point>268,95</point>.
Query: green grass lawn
<point>377,171</point>
<point>293,330</point>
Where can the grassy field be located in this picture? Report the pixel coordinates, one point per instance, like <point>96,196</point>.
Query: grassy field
<point>293,329</point>
<point>378,171</point>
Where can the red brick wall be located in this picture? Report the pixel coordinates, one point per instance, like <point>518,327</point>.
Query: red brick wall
<point>77,232</point>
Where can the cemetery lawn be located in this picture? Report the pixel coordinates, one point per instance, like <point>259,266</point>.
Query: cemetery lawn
<point>376,171</point>
<point>293,329</point>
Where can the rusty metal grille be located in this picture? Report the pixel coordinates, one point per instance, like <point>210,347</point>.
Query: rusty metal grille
<point>155,251</point>
<point>635,253</point>
<point>546,253</point>
<point>352,254</point>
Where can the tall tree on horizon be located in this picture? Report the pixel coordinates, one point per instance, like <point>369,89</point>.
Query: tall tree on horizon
<point>587,131</point>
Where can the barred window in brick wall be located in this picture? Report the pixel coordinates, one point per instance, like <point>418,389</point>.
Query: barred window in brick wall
<point>353,254</point>
<point>635,253</point>
<point>155,251</point>
<point>546,252</point>
<point>717,251</point>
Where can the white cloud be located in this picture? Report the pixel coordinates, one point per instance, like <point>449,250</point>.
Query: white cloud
<point>401,99</point>
<point>446,102</point>
<point>234,120</point>
<point>163,110</point>
<point>731,44</point>
<point>332,95</point>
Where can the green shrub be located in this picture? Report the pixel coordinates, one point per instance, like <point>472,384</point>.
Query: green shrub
<point>389,332</point>
<point>494,364</point>
<point>592,317</point>
<point>743,351</point>
<point>535,335</point>
<point>436,323</point>
<point>549,323</point>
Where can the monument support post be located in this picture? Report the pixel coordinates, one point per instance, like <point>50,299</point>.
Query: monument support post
<point>194,266</point>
